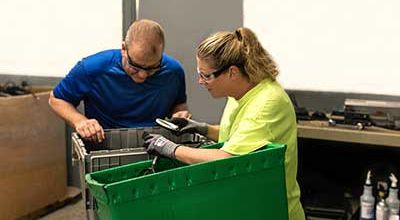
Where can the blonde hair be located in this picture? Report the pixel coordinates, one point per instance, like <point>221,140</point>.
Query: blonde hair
<point>242,49</point>
<point>145,30</point>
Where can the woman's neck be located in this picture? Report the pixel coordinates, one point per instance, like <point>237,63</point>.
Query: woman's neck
<point>242,89</point>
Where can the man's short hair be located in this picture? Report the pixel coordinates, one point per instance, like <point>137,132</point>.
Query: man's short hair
<point>147,31</point>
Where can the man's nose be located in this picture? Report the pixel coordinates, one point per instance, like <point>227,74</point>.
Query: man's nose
<point>142,74</point>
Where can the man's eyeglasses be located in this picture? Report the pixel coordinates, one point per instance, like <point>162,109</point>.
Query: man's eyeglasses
<point>149,70</point>
<point>212,75</point>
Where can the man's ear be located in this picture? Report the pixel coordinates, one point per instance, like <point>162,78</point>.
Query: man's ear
<point>123,48</point>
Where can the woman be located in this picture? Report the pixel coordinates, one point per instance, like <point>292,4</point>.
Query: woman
<point>258,111</point>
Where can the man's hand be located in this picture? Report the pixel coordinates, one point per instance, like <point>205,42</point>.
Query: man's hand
<point>159,145</point>
<point>181,111</point>
<point>182,114</point>
<point>190,126</point>
<point>90,129</point>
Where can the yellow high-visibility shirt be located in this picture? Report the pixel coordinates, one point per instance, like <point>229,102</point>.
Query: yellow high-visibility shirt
<point>262,116</point>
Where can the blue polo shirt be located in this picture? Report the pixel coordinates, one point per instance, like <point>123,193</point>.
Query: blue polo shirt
<point>112,98</point>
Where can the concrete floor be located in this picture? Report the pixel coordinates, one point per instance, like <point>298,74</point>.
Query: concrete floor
<point>72,211</point>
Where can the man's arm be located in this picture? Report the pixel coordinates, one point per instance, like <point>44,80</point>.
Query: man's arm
<point>181,111</point>
<point>87,128</point>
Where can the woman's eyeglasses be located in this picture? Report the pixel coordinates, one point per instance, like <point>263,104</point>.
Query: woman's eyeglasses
<point>212,75</point>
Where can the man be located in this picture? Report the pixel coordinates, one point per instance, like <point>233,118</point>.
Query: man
<point>123,88</point>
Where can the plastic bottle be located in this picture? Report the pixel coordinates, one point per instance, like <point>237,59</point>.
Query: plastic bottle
<point>367,200</point>
<point>393,200</point>
<point>382,210</point>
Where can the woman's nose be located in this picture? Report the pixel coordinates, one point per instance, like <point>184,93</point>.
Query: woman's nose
<point>200,80</point>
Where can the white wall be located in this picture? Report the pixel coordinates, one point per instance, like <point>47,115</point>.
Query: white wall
<point>47,37</point>
<point>331,45</point>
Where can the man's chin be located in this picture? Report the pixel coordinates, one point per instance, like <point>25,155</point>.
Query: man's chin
<point>137,80</point>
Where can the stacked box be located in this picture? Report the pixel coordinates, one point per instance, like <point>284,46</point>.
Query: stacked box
<point>121,146</point>
<point>32,153</point>
<point>250,187</point>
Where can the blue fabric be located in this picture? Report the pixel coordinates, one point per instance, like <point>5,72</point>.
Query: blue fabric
<point>114,99</point>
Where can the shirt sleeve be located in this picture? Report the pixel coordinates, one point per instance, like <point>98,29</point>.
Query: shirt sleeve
<point>258,129</point>
<point>74,86</point>
<point>250,136</point>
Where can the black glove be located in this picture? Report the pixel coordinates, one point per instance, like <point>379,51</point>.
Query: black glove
<point>190,126</point>
<point>159,145</point>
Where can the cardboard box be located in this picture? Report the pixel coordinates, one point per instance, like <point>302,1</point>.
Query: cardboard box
<point>32,154</point>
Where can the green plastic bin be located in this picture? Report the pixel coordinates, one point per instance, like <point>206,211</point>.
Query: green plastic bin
<point>246,187</point>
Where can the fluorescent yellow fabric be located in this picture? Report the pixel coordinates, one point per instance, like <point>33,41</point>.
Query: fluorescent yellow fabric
<point>264,115</point>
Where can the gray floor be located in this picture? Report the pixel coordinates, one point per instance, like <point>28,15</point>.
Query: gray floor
<point>72,211</point>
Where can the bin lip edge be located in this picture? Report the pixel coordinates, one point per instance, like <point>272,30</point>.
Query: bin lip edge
<point>89,178</point>
<point>165,172</point>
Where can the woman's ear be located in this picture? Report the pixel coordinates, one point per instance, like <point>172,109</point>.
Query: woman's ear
<point>234,71</point>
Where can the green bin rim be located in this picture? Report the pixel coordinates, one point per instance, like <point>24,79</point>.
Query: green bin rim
<point>99,190</point>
